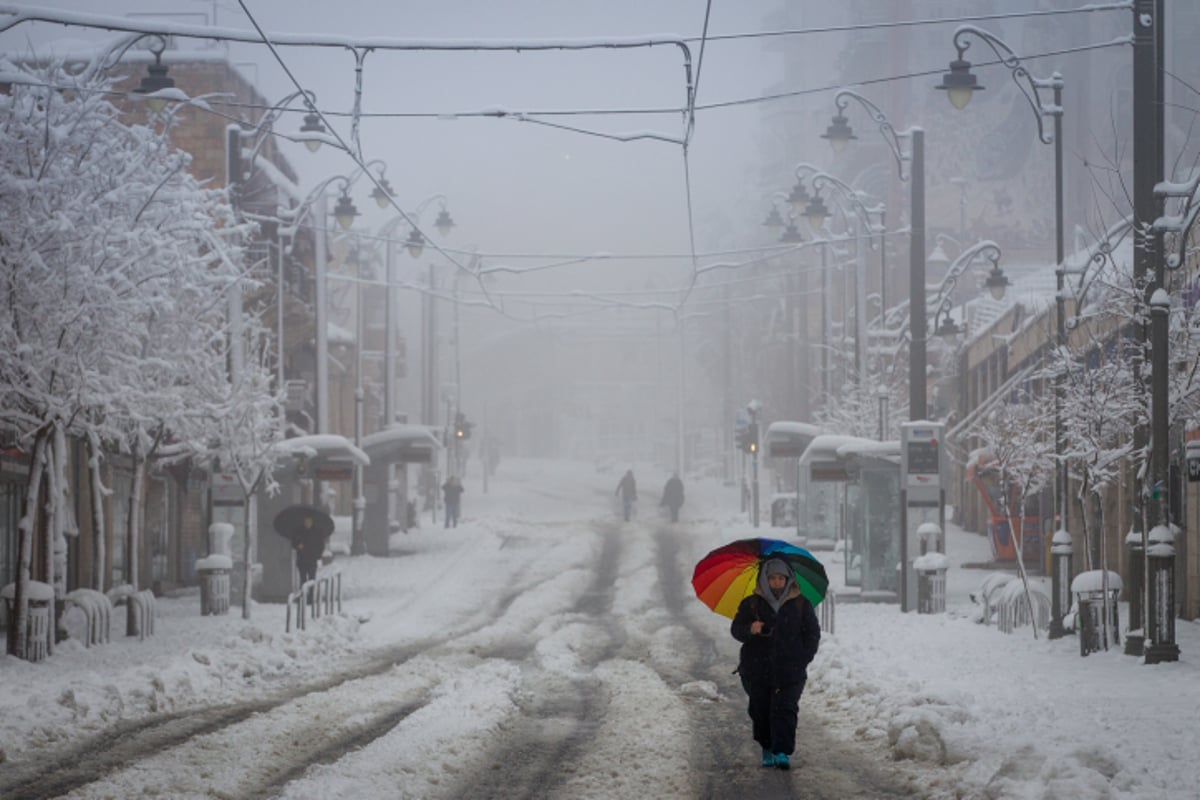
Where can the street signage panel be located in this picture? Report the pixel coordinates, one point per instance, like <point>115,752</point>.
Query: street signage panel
<point>333,471</point>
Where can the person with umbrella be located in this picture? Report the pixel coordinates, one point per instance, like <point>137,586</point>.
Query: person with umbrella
<point>779,632</point>
<point>307,527</point>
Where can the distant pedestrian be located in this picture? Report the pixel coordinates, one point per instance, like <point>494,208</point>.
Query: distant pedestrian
<point>779,632</point>
<point>627,489</point>
<point>452,491</point>
<point>673,496</point>
<point>309,545</point>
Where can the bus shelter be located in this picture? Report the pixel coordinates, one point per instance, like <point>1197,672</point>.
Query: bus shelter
<point>850,493</point>
<point>872,517</point>
<point>786,440</point>
<point>385,479</point>
<point>305,461</point>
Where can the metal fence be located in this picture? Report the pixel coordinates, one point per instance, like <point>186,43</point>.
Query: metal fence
<point>321,595</point>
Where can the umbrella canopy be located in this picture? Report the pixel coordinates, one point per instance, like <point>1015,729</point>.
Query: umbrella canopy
<point>290,522</point>
<point>728,574</point>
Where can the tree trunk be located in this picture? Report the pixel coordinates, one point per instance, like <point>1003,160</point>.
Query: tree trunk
<point>132,528</point>
<point>1084,494</point>
<point>247,550</point>
<point>98,493</point>
<point>17,645</point>
<point>1015,523</point>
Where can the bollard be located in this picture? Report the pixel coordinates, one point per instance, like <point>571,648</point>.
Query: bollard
<point>1060,582</point>
<point>1160,628</point>
<point>1135,635</point>
<point>930,570</point>
<point>929,536</point>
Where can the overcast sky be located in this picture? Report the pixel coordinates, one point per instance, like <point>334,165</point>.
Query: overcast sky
<point>512,186</point>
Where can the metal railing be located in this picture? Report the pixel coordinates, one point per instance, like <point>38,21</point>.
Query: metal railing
<point>828,611</point>
<point>321,595</point>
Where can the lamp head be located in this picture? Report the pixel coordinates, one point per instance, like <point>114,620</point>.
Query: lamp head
<point>798,198</point>
<point>997,282</point>
<point>948,329</point>
<point>156,80</point>
<point>382,193</point>
<point>839,133</point>
<point>791,235</point>
<point>816,212</point>
<point>774,221</point>
<point>312,124</point>
<point>345,212</point>
<point>443,223</point>
<point>415,243</point>
<point>960,83</point>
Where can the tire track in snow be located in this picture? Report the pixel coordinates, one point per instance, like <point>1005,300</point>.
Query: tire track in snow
<point>89,760</point>
<point>560,714</point>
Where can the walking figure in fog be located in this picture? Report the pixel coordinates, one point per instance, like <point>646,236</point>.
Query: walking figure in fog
<point>627,489</point>
<point>779,632</point>
<point>673,496</point>
<point>452,491</point>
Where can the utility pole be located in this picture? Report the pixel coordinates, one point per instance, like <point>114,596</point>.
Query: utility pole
<point>727,391</point>
<point>429,397</point>
<point>1147,267</point>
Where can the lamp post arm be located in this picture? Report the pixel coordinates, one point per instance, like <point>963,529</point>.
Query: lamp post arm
<point>1030,86</point>
<point>843,98</point>
<point>114,55</point>
<point>265,127</point>
<point>986,249</point>
<point>849,196</point>
<point>294,217</point>
<point>1178,227</point>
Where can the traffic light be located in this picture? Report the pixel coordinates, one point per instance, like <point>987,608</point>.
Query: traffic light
<point>747,438</point>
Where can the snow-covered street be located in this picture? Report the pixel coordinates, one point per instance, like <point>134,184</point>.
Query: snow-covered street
<point>544,649</point>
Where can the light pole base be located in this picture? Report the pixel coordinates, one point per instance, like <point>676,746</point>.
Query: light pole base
<point>1162,653</point>
<point>1056,630</point>
<point>1134,644</point>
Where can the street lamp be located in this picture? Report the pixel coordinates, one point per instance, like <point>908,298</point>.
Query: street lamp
<point>1176,231</point>
<point>156,80</point>
<point>817,213</point>
<point>839,134</point>
<point>960,84</point>
<point>241,162</point>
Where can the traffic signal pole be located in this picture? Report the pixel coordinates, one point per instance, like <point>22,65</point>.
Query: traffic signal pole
<point>754,461</point>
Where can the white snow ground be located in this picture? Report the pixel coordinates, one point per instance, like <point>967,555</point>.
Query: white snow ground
<point>977,712</point>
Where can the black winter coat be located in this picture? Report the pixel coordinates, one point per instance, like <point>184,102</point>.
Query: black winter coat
<point>780,655</point>
<point>672,493</point>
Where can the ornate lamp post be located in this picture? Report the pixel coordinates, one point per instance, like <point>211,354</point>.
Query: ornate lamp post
<point>960,84</point>
<point>817,212</point>
<point>839,134</point>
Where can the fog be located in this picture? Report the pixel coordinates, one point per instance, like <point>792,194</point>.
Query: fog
<point>566,353</point>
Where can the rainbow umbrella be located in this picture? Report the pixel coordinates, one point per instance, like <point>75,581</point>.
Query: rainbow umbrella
<point>728,574</point>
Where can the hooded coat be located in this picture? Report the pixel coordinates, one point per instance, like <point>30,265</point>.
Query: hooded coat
<point>774,663</point>
<point>780,655</point>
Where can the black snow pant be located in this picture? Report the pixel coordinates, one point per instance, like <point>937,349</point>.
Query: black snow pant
<point>774,713</point>
<point>674,513</point>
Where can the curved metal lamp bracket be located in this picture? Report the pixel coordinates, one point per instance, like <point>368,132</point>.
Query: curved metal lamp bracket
<point>1030,86</point>
<point>988,250</point>
<point>1177,228</point>
<point>849,196</point>
<point>266,125</point>
<point>842,99</point>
